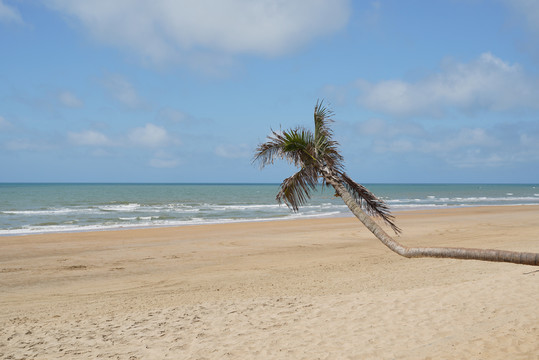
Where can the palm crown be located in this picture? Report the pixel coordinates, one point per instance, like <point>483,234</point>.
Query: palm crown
<point>317,156</point>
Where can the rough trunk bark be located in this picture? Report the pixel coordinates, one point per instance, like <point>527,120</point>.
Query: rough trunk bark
<point>438,252</point>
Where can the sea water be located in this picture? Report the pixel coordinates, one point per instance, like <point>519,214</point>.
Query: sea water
<point>42,208</point>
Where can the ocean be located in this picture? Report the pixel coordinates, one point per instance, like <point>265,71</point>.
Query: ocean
<point>44,208</point>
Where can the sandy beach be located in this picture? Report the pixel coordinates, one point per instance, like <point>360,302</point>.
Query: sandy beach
<point>301,289</point>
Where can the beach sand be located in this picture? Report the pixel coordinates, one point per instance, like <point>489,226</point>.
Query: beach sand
<point>302,289</point>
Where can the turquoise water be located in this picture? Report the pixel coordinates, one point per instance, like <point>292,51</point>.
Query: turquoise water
<point>41,208</point>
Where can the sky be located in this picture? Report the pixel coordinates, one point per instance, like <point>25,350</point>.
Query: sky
<point>442,91</point>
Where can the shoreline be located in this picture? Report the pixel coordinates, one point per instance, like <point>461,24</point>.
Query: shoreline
<point>308,288</point>
<point>256,220</point>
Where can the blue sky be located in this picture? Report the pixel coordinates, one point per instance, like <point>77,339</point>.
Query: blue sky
<point>183,91</point>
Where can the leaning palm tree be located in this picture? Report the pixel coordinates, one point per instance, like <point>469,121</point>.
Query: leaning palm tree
<point>318,158</point>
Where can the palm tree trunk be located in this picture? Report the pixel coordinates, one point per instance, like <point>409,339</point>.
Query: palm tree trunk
<point>437,252</point>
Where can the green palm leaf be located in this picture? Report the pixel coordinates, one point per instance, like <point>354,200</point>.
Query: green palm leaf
<point>317,155</point>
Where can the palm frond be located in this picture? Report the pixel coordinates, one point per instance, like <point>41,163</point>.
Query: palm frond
<point>369,202</point>
<point>327,149</point>
<point>266,152</point>
<point>296,190</point>
<point>316,154</point>
<point>298,143</point>
<point>294,145</point>
<point>330,156</point>
<point>322,119</point>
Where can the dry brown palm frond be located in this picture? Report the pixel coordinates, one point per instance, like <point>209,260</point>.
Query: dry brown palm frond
<point>369,202</point>
<point>296,190</point>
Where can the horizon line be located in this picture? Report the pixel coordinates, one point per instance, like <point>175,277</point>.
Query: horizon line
<point>246,183</point>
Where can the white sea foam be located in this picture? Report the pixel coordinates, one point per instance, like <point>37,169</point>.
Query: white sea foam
<point>416,206</point>
<point>120,207</point>
<point>52,211</point>
<point>214,205</point>
<point>463,200</point>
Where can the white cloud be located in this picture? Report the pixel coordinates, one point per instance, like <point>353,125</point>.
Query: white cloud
<point>150,136</point>
<point>462,139</point>
<point>165,30</point>
<point>498,145</point>
<point>69,99</point>
<point>487,83</point>
<point>438,142</point>
<point>89,138</point>
<point>123,91</point>
<point>233,151</point>
<point>9,14</point>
